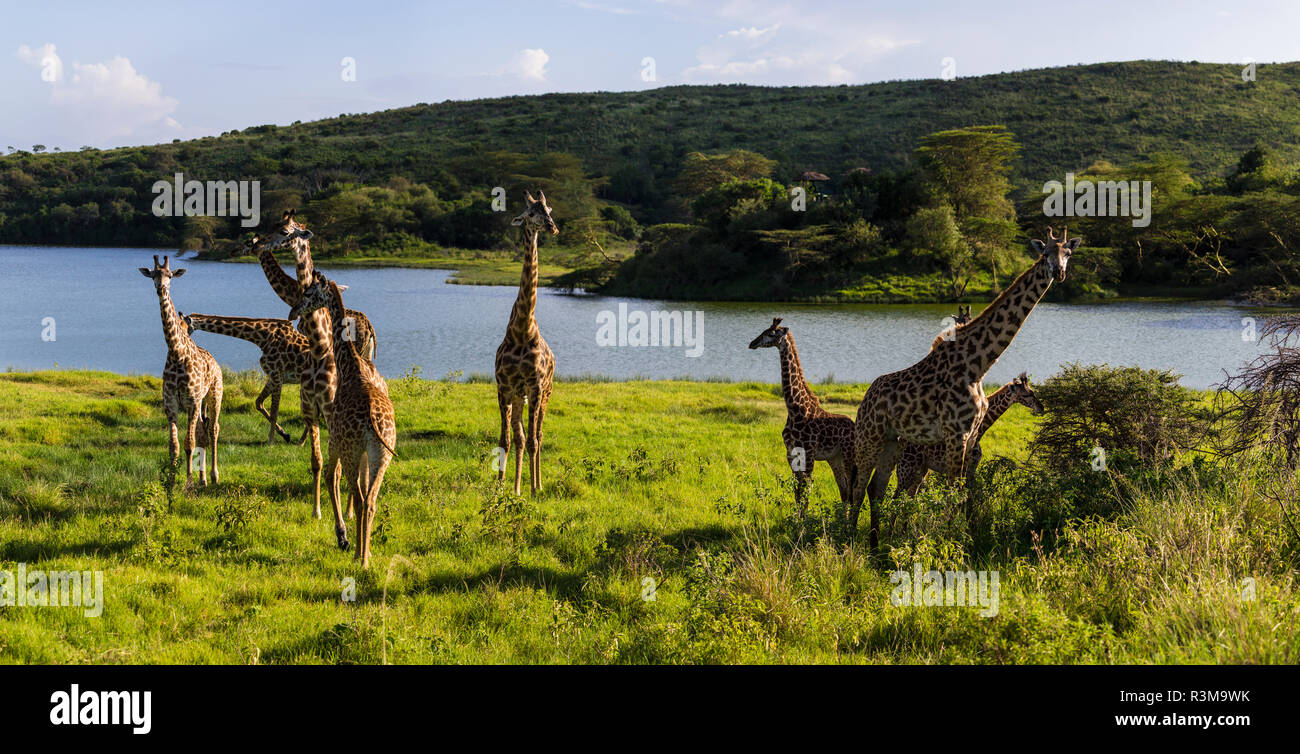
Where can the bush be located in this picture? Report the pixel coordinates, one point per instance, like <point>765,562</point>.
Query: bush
<point>1143,413</point>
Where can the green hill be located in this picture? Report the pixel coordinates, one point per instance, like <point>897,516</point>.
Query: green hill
<point>413,181</point>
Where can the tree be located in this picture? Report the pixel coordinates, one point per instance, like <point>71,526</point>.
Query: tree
<point>701,172</point>
<point>969,169</point>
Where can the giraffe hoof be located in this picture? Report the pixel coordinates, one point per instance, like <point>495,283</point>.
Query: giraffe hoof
<point>343,539</point>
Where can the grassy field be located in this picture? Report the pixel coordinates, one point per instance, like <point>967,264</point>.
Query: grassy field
<point>679,482</point>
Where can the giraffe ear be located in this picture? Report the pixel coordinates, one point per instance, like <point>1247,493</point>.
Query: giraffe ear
<point>145,271</point>
<point>178,273</point>
<point>305,234</point>
<point>1071,245</point>
<point>1038,246</point>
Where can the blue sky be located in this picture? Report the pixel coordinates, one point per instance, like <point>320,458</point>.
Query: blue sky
<point>110,74</point>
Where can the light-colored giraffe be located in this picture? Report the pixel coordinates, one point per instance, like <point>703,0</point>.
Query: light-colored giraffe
<point>191,381</point>
<point>288,289</point>
<point>940,399</point>
<point>363,429</point>
<point>285,353</point>
<point>319,380</point>
<point>525,366</point>
<point>811,432</point>
<point>915,461</point>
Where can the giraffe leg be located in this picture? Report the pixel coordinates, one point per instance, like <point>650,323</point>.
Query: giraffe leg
<point>358,499</point>
<point>911,469</point>
<point>340,528</point>
<point>517,432</point>
<point>801,488</point>
<point>867,447</point>
<point>954,459</point>
<point>843,479</point>
<point>503,443</point>
<point>534,443</point>
<point>314,432</point>
<point>173,446</point>
<point>884,468</point>
<point>377,460</point>
<point>190,438</point>
<point>212,419</point>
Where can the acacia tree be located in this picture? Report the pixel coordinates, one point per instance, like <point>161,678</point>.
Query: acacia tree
<point>701,172</point>
<point>968,169</point>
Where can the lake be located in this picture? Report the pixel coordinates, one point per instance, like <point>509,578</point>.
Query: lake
<point>105,316</point>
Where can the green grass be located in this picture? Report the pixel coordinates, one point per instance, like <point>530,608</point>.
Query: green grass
<point>680,482</point>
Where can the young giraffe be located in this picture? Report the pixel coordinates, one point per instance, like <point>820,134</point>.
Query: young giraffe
<point>940,399</point>
<point>191,380</point>
<point>916,461</point>
<point>285,353</point>
<point>363,430</point>
<point>319,381</point>
<point>811,432</point>
<point>525,366</point>
<point>288,289</point>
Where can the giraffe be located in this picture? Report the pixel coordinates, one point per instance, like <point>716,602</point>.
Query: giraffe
<point>940,399</point>
<point>287,288</point>
<point>191,380</point>
<point>363,430</point>
<point>811,433</point>
<point>285,353</point>
<point>525,366</point>
<point>319,381</point>
<point>963,314</point>
<point>915,461</point>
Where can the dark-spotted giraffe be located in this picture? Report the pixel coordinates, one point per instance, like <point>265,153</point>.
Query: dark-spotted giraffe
<point>525,366</point>
<point>285,353</point>
<point>940,399</point>
<point>915,461</point>
<point>811,432</point>
<point>191,380</point>
<point>362,426</point>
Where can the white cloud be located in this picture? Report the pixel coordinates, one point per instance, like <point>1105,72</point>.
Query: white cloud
<point>106,102</point>
<point>46,58</point>
<point>790,45</point>
<point>530,65</point>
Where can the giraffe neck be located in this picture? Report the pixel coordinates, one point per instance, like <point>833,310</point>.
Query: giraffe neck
<point>999,402</point>
<point>523,319</point>
<point>178,341</point>
<point>260,332</point>
<point>799,399</point>
<point>984,338</point>
<point>345,356</point>
<point>281,282</point>
<point>302,261</point>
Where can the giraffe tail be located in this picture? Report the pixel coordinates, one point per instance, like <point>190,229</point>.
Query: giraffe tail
<point>374,428</point>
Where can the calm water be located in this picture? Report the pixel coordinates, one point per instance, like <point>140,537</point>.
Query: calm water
<point>106,317</point>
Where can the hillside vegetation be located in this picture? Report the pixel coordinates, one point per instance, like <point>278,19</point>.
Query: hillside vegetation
<point>410,183</point>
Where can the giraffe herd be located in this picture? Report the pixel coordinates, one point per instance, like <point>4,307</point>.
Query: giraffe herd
<point>928,417</point>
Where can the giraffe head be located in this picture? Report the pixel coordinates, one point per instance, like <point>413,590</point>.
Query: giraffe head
<point>247,248</point>
<point>1023,394</point>
<point>537,217</point>
<point>316,296</point>
<point>161,274</point>
<point>285,231</point>
<point>1056,251</point>
<point>963,315</point>
<point>772,336</point>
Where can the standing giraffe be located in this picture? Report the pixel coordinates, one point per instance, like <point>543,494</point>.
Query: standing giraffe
<point>285,353</point>
<point>940,399</point>
<point>362,427</point>
<point>319,380</point>
<point>191,380</point>
<point>811,432</point>
<point>915,461</point>
<point>525,366</point>
<point>288,289</point>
